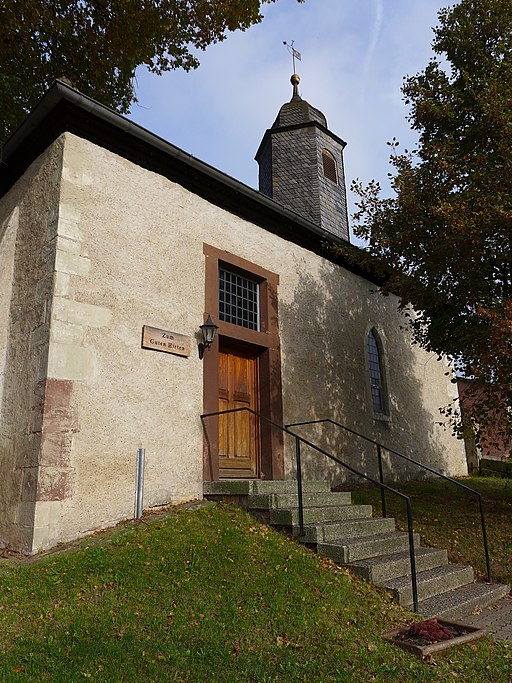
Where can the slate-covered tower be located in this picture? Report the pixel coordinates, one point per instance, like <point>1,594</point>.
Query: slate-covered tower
<point>301,165</point>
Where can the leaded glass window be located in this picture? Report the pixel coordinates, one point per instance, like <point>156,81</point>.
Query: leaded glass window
<point>239,300</point>
<point>376,374</point>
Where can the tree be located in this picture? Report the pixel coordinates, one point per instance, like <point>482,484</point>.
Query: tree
<point>98,45</point>
<point>446,234</point>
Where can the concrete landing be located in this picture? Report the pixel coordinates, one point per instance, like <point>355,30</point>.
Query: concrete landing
<point>496,619</point>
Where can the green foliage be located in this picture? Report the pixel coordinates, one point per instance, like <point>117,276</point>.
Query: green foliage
<point>98,45</point>
<point>446,234</point>
<point>209,595</point>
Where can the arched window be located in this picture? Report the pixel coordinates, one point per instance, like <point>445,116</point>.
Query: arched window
<point>376,372</point>
<point>329,164</point>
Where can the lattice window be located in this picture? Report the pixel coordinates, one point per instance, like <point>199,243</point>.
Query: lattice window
<point>239,300</point>
<point>329,164</point>
<point>376,374</point>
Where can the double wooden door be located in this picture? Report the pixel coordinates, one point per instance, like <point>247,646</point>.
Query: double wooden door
<point>239,433</point>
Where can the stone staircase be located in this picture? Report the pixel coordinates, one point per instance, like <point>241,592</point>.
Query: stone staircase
<point>370,547</point>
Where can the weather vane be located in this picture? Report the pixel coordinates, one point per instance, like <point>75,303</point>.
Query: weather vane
<point>294,53</point>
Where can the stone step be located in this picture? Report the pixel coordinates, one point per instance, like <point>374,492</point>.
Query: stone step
<point>370,547</point>
<point>459,603</point>
<point>359,548</point>
<point>269,501</point>
<point>244,487</point>
<point>378,569</point>
<point>320,515</point>
<point>430,583</point>
<point>349,529</point>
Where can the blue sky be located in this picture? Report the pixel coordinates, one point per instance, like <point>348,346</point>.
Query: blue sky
<point>355,54</point>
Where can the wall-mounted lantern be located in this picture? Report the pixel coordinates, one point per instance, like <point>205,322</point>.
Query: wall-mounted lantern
<point>208,330</point>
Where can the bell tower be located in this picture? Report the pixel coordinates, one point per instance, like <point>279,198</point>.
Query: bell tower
<point>301,165</point>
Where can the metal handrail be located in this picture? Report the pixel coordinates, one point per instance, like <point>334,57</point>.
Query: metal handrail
<point>380,446</point>
<point>301,440</point>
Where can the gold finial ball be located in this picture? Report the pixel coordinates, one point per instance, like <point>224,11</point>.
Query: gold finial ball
<point>295,79</point>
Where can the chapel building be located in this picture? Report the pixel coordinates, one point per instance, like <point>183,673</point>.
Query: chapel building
<point>115,247</point>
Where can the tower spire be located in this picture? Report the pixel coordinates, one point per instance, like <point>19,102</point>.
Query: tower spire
<point>301,163</point>
<point>295,80</point>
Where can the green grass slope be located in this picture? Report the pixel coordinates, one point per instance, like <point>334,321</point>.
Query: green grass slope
<point>209,595</point>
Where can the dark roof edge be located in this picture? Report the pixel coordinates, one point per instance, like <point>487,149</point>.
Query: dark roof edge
<point>297,126</point>
<point>57,92</point>
<point>60,92</point>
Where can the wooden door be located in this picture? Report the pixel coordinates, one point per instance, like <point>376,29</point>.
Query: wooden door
<point>239,437</point>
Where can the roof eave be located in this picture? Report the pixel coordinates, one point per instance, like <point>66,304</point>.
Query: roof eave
<point>63,109</point>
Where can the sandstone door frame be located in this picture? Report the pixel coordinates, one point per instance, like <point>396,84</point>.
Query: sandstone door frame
<point>263,342</point>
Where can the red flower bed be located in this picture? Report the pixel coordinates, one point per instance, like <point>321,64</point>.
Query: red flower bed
<point>433,636</point>
<point>431,631</point>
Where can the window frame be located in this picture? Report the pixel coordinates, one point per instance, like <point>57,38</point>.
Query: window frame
<point>331,159</point>
<point>228,317</point>
<point>382,410</point>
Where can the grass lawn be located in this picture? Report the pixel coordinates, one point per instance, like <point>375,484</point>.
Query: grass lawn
<point>448,517</point>
<point>204,596</point>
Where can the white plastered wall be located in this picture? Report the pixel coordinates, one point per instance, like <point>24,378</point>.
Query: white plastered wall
<point>118,267</point>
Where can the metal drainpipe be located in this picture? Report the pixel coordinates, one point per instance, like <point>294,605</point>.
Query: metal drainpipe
<point>139,482</point>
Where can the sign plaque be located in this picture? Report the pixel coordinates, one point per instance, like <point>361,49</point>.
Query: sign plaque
<point>163,340</point>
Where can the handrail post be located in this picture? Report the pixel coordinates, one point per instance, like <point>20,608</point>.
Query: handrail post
<point>484,534</point>
<point>381,478</point>
<point>299,486</point>
<point>383,486</point>
<point>412,556</point>
<point>419,464</point>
